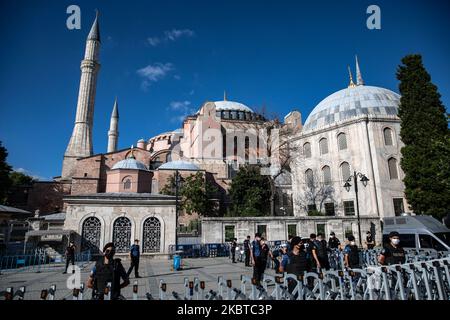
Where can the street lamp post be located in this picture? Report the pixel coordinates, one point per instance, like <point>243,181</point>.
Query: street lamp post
<point>347,185</point>
<point>177,166</point>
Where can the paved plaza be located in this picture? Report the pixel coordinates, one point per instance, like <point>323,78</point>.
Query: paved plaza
<point>151,271</point>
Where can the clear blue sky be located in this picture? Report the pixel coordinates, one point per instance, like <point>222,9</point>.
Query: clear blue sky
<point>281,54</point>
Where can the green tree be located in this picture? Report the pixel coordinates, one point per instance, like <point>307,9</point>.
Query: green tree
<point>196,192</point>
<point>425,133</point>
<point>5,169</point>
<point>20,179</point>
<point>250,193</point>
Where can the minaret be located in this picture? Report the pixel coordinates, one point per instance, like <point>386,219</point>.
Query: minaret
<point>113,132</point>
<point>351,84</point>
<point>80,144</point>
<point>359,79</point>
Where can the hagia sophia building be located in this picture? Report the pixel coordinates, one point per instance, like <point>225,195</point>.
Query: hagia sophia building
<point>115,196</point>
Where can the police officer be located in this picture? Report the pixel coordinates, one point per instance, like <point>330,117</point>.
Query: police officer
<point>370,242</point>
<point>333,242</point>
<point>134,256</point>
<point>247,251</point>
<point>297,262</point>
<point>233,250</point>
<point>392,253</point>
<point>107,269</point>
<point>70,255</point>
<point>283,259</point>
<point>319,252</point>
<point>257,260</point>
<point>351,253</point>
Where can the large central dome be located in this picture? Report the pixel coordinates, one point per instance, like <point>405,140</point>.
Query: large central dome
<point>226,105</point>
<point>352,102</point>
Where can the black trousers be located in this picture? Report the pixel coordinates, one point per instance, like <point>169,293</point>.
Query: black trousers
<point>135,265</point>
<point>247,258</point>
<point>233,255</point>
<point>68,259</point>
<point>259,268</point>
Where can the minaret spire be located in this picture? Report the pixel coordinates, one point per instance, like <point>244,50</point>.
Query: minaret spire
<point>351,84</point>
<point>359,79</point>
<point>113,133</point>
<point>224,95</point>
<point>80,144</point>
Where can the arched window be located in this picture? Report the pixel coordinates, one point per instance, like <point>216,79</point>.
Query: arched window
<point>151,237</point>
<point>122,234</point>
<point>90,234</point>
<point>323,146</point>
<point>247,144</point>
<point>126,183</point>
<point>235,150</point>
<point>224,145</point>
<point>388,141</point>
<point>345,171</point>
<point>309,178</point>
<point>393,172</point>
<point>342,141</point>
<point>307,150</point>
<point>326,172</point>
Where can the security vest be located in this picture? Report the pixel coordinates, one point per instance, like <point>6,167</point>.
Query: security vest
<point>105,273</point>
<point>393,255</point>
<point>297,264</point>
<point>353,257</point>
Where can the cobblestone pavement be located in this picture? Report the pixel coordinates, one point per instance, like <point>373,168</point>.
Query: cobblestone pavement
<point>151,271</point>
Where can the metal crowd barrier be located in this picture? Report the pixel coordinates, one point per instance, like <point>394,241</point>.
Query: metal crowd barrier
<point>422,280</point>
<point>36,262</point>
<point>208,250</point>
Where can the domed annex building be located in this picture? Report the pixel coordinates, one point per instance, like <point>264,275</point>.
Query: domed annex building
<point>352,132</point>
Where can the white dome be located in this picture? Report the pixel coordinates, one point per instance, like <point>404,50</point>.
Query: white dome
<point>232,106</point>
<point>352,102</point>
<point>179,165</point>
<point>130,163</point>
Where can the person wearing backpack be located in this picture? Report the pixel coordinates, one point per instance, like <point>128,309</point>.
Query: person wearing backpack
<point>108,270</point>
<point>319,251</point>
<point>351,253</point>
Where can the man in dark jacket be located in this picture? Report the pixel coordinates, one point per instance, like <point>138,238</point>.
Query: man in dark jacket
<point>320,252</point>
<point>297,261</point>
<point>247,251</point>
<point>107,270</point>
<point>70,255</point>
<point>233,250</point>
<point>134,256</point>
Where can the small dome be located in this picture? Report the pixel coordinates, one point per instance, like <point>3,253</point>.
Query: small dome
<point>352,102</point>
<point>131,164</point>
<point>225,105</point>
<point>179,165</point>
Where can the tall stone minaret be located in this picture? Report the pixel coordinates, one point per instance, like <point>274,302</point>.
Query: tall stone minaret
<point>80,144</point>
<point>113,133</point>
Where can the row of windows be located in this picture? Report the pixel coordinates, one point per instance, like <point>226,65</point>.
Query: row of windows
<point>349,207</point>
<point>342,143</point>
<point>345,172</point>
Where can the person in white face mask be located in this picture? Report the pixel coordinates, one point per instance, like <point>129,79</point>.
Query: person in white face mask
<point>351,254</point>
<point>392,253</point>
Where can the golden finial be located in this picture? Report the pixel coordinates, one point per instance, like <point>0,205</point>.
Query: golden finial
<point>131,152</point>
<point>351,84</point>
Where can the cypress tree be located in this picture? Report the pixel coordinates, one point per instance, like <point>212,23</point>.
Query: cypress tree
<point>425,133</point>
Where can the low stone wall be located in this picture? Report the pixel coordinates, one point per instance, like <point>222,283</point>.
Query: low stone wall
<point>213,229</point>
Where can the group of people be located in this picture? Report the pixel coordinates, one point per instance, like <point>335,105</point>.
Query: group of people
<point>300,255</point>
<point>108,269</point>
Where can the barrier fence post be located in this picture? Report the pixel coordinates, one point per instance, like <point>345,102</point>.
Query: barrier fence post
<point>135,290</point>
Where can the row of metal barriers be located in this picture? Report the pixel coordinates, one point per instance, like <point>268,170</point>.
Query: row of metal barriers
<point>427,280</point>
<point>36,262</point>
